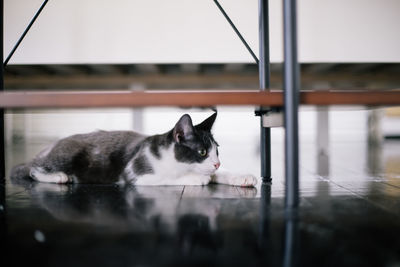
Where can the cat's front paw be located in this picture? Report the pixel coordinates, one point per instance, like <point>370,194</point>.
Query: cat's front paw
<point>61,178</point>
<point>244,180</point>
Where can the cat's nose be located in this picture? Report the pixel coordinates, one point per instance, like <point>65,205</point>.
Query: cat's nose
<point>216,165</point>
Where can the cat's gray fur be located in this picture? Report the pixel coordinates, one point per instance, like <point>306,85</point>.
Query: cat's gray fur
<point>126,156</point>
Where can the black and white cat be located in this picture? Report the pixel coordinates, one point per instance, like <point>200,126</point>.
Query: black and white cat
<point>186,155</point>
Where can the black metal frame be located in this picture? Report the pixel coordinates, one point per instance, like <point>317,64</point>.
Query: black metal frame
<point>291,94</point>
<point>264,78</point>
<point>237,31</point>
<point>291,81</point>
<point>24,33</point>
<point>2,152</point>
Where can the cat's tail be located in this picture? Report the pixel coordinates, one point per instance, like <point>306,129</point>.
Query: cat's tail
<point>20,173</point>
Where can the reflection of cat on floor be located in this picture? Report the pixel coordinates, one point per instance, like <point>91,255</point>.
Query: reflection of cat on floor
<point>128,206</point>
<point>185,155</point>
<point>109,204</point>
<point>191,221</point>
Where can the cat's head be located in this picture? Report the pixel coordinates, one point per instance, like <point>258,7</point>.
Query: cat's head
<point>196,145</point>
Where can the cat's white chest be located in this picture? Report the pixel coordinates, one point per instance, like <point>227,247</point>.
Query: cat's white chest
<point>165,168</point>
<point>166,165</point>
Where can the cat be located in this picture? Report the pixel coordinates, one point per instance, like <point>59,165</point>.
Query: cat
<point>185,155</point>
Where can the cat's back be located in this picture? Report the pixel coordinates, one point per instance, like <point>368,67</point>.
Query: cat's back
<point>98,145</point>
<point>108,137</point>
<point>106,140</point>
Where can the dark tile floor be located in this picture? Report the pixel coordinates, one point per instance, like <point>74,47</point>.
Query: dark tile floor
<point>350,217</point>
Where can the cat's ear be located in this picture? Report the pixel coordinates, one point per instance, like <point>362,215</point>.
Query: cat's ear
<point>183,129</point>
<point>207,124</point>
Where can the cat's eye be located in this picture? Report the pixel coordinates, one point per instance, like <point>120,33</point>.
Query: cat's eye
<point>202,152</point>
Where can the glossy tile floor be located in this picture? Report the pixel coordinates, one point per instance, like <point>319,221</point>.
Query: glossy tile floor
<point>349,213</point>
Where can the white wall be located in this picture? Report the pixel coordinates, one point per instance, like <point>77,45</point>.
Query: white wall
<point>179,31</point>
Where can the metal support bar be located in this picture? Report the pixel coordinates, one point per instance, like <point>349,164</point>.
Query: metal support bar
<point>264,77</point>
<point>236,31</point>
<point>24,33</point>
<point>264,237</point>
<point>291,240</point>
<point>2,158</point>
<point>291,102</point>
<point>263,33</point>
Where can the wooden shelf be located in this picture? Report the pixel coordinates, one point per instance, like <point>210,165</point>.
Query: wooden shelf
<point>90,99</point>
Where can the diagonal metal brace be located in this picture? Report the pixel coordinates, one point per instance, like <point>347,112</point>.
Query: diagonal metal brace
<point>24,33</point>
<point>236,31</point>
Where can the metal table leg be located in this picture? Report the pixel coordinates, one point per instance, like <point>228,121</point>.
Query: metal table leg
<point>291,100</point>
<point>264,77</point>
<point>2,155</point>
